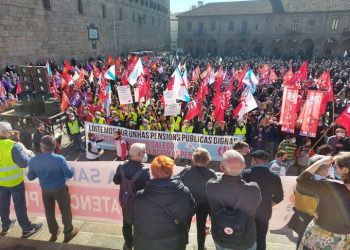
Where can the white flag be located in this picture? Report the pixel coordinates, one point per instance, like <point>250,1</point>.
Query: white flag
<point>137,71</point>
<point>345,53</point>
<point>248,103</point>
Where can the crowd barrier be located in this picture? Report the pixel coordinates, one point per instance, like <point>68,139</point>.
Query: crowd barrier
<point>94,196</point>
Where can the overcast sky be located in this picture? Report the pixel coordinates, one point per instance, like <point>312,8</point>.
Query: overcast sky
<point>184,5</point>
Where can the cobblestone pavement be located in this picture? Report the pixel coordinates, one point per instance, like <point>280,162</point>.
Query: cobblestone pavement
<point>108,236</point>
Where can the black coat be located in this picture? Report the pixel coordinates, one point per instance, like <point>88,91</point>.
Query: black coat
<point>130,169</point>
<point>195,178</point>
<point>153,227</point>
<point>270,187</point>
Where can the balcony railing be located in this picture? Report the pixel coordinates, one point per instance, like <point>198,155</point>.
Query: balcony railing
<point>199,32</point>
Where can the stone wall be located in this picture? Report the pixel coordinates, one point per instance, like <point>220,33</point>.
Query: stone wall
<point>29,33</point>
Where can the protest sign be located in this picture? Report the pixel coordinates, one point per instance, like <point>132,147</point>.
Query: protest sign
<point>176,145</point>
<point>172,109</point>
<point>288,110</point>
<point>312,113</point>
<point>136,95</point>
<point>124,94</point>
<point>169,97</point>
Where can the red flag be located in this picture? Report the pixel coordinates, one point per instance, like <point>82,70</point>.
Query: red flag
<point>288,77</point>
<point>96,70</point>
<point>146,58</point>
<point>288,109</point>
<point>102,96</point>
<point>171,84</point>
<point>264,73</point>
<point>217,84</point>
<point>301,74</point>
<point>193,110</point>
<point>241,76</point>
<point>312,113</point>
<point>65,101</point>
<point>207,72</point>
<point>301,114</point>
<point>81,78</point>
<point>219,72</point>
<point>110,60</point>
<point>18,88</point>
<point>344,120</point>
<point>237,109</point>
<point>195,74</point>
<point>273,76</point>
<point>67,65</point>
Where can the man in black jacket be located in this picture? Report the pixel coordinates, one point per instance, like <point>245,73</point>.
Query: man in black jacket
<point>231,192</point>
<point>131,168</point>
<point>271,191</point>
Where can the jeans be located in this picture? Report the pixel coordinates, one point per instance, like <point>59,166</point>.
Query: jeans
<point>202,213</point>
<point>19,201</point>
<point>218,247</point>
<point>261,231</point>
<point>62,197</point>
<point>78,144</point>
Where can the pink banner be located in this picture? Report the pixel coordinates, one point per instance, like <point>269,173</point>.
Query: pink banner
<point>288,111</point>
<point>311,113</point>
<point>94,196</point>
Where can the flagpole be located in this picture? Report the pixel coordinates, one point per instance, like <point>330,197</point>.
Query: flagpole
<point>324,134</point>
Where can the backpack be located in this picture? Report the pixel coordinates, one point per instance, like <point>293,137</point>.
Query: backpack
<point>127,189</point>
<point>229,226</point>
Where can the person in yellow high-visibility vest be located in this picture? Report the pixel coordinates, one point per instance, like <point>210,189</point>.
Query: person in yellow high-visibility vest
<point>145,125</point>
<point>186,128</point>
<point>98,119</point>
<point>13,158</point>
<point>73,130</point>
<point>241,130</point>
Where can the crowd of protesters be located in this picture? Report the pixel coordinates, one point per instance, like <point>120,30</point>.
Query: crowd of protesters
<point>238,201</point>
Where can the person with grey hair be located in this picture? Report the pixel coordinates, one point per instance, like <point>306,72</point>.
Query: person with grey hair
<point>195,178</point>
<point>230,197</point>
<point>132,171</point>
<point>52,171</point>
<point>13,159</point>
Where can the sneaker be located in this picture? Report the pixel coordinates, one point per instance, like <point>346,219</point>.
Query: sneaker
<point>68,237</point>
<point>34,230</point>
<point>125,247</point>
<point>6,231</point>
<point>55,235</point>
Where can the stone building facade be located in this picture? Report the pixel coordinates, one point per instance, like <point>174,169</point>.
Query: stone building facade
<point>284,27</point>
<point>32,30</point>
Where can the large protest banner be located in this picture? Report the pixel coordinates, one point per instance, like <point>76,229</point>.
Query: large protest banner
<point>311,113</point>
<point>288,110</point>
<point>176,145</point>
<point>94,196</point>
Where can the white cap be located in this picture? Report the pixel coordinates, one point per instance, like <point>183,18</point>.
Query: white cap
<point>5,126</point>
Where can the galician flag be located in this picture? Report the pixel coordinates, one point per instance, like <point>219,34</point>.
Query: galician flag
<point>110,73</point>
<point>137,71</point>
<point>180,81</point>
<point>250,80</point>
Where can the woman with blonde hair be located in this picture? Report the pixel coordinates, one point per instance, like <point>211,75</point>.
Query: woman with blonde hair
<point>162,212</point>
<point>195,178</point>
<point>331,229</point>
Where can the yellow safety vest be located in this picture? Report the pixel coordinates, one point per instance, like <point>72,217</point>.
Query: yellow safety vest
<point>189,129</point>
<point>101,120</point>
<point>205,131</point>
<point>10,174</point>
<point>74,127</point>
<point>177,122</point>
<point>148,127</point>
<point>239,131</point>
<point>170,130</point>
